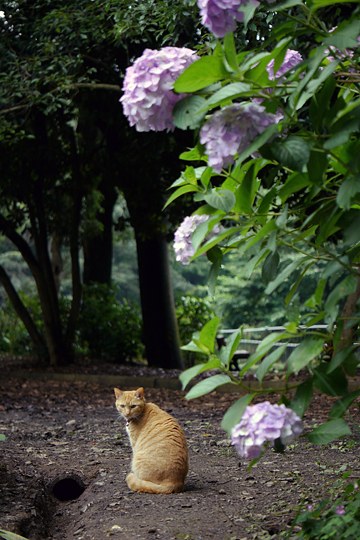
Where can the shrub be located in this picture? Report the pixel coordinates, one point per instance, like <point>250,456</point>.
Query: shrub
<point>108,328</point>
<point>14,338</point>
<point>337,517</point>
<point>192,313</point>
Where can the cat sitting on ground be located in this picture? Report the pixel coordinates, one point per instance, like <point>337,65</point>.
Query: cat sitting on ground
<point>160,455</point>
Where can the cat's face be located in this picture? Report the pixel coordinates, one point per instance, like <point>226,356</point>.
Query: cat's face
<point>130,404</point>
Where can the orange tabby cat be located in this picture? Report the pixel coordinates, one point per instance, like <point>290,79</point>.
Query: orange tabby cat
<point>160,456</point>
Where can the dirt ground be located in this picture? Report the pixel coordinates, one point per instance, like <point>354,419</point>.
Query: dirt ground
<point>65,439</point>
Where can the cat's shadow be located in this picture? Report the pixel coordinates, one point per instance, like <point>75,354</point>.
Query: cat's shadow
<point>191,487</point>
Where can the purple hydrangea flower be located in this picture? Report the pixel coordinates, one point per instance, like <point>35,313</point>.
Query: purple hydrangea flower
<point>230,131</point>
<point>221,16</point>
<point>340,510</point>
<point>261,423</point>
<point>291,60</point>
<point>148,98</point>
<point>183,246</point>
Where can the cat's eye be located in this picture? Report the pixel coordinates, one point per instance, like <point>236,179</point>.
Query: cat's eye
<point>132,406</point>
<point>122,406</point>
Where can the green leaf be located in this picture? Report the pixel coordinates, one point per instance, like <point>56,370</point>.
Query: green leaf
<point>270,267</point>
<point>11,536</point>
<point>295,286</point>
<point>258,142</point>
<point>321,104</point>
<point>341,406</point>
<point>206,176</point>
<point>216,240</point>
<point>295,182</point>
<point>302,398</point>
<point>339,358</point>
<point>179,192</point>
<point>2,437</point>
<point>200,74</point>
<point>293,153</point>
<point>304,353</point>
<point>345,36</point>
<point>348,189</point>
<point>316,4</point>
<point>195,154</point>
<point>285,273</point>
<point>187,375</point>
<point>208,333</point>
<point>248,10</point>
<point>346,287</point>
<point>234,413</point>
<point>208,385</point>
<point>189,112</point>
<point>230,51</point>
<point>199,234</point>
<point>221,199</point>
<point>300,95</point>
<point>195,346</point>
<point>246,192</point>
<point>328,432</point>
<point>215,256</point>
<point>317,166</point>
<point>269,361</point>
<point>228,93</point>
<point>285,5</point>
<point>227,352</point>
<point>332,384</point>
<point>261,234</point>
<point>262,349</point>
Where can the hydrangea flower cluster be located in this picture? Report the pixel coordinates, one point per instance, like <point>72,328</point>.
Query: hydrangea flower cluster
<point>292,59</point>
<point>183,246</point>
<point>221,16</point>
<point>230,131</point>
<point>261,423</point>
<point>148,98</point>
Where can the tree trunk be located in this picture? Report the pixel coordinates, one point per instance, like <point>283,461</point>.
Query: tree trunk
<point>24,315</point>
<point>98,248</point>
<point>159,321</point>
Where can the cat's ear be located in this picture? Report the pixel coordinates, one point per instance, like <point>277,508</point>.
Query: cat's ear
<point>140,393</point>
<point>118,393</point>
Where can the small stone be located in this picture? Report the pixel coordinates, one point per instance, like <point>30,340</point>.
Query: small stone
<point>115,529</point>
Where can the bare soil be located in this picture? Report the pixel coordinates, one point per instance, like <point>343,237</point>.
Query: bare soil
<point>65,439</point>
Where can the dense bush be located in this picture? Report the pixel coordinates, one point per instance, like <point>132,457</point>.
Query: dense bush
<point>109,328</point>
<point>335,517</point>
<point>14,338</point>
<point>191,313</point>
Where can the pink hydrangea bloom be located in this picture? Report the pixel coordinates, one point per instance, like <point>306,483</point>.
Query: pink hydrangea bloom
<point>262,423</point>
<point>183,245</point>
<point>148,98</point>
<point>291,60</point>
<point>221,16</point>
<point>231,130</point>
<point>340,510</point>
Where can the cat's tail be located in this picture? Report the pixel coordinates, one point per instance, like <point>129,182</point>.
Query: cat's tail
<point>145,486</point>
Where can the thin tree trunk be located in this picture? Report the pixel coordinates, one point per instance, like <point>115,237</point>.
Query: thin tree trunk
<point>56,259</point>
<point>23,315</point>
<point>159,321</point>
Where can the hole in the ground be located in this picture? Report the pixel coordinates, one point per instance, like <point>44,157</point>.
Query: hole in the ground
<point>68,488</point>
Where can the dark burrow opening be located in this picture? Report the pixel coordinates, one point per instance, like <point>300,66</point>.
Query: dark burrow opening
<point>67,488</point>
